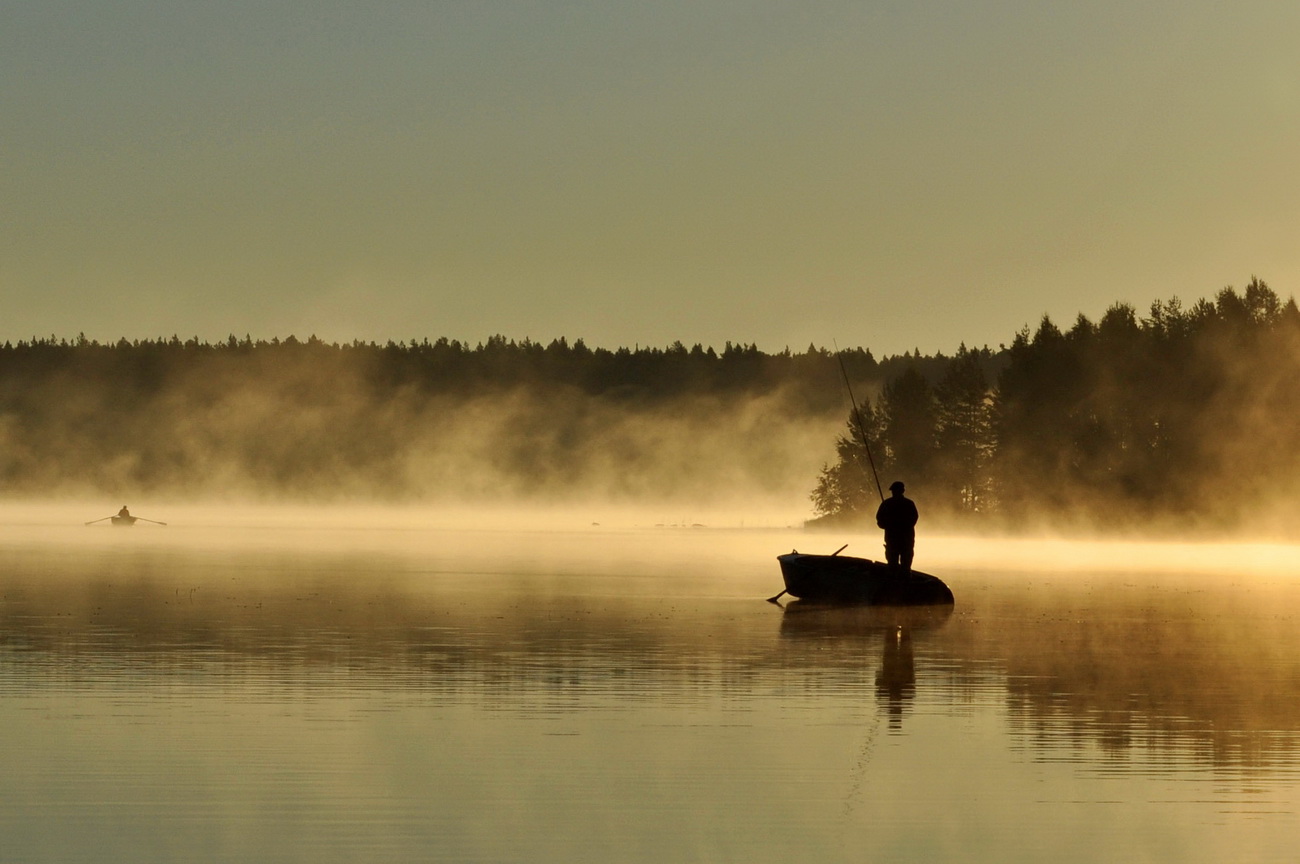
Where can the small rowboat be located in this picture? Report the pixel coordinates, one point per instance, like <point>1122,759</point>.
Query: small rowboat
<point>124,520</point>
<point>844,579</point>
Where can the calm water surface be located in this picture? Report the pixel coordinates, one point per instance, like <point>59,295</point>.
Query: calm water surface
<point>403,693</point>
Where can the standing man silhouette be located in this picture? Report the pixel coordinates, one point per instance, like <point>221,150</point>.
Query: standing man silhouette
<point>897,515</point>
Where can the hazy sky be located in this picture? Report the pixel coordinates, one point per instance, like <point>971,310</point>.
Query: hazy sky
<point>888,174</point>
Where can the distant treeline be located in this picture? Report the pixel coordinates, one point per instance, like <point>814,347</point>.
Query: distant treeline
<point>1186,416</point>
<point>147,367</point>
<point>421,419</point>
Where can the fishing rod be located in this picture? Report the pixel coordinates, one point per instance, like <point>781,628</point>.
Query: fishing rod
<point>862,428</point>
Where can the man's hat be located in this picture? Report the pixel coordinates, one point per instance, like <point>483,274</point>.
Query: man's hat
<point>897,484</point>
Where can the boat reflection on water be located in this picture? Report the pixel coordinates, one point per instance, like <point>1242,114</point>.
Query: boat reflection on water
<point>863,630</point>
<point>803,619</point>
<point>896,680</point>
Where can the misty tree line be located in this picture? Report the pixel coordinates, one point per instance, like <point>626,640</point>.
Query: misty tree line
<point>1185,415</point>
<point>145,367</point>
<point>409,420</point>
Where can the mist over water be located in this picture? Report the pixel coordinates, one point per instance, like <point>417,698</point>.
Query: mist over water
<point>736,525</point>
<point>433,424</point>
<point>400,683</point>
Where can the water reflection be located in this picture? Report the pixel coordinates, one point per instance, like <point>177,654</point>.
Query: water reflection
<point>1125,676</point>
<point>1185,668</point>
<point>889,630</point>
<point>624,677</point>
<point>896,680</point>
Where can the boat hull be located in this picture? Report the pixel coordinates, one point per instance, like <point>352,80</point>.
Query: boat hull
<point>844,579</point>
<point>124,521</point>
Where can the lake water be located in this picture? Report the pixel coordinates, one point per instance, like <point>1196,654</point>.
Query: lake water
<point>385,690</point>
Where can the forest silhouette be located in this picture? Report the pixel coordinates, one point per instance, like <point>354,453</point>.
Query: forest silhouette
<point>1182,417</point>
<point>437,421</point>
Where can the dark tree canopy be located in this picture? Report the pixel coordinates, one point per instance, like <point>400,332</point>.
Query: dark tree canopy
<point>1185,416</point>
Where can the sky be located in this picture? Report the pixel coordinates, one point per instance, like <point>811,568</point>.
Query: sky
<point>893,175</point>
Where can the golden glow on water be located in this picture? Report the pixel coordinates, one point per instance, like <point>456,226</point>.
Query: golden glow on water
<point>383,688</point>
<point>1147,557</point>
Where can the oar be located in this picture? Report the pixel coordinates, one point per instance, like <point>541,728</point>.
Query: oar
<point>154,521</point>
<point>776,598</point>
<point>93,521</point>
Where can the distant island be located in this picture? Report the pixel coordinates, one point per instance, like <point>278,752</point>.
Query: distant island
<point>1183,416</point>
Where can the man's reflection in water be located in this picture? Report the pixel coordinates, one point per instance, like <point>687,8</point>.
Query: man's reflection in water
<point>896,680</point>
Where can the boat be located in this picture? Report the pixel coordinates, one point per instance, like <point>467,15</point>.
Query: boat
<point>123,519</point>
<point>845,579</point>
<point>808,619</point>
